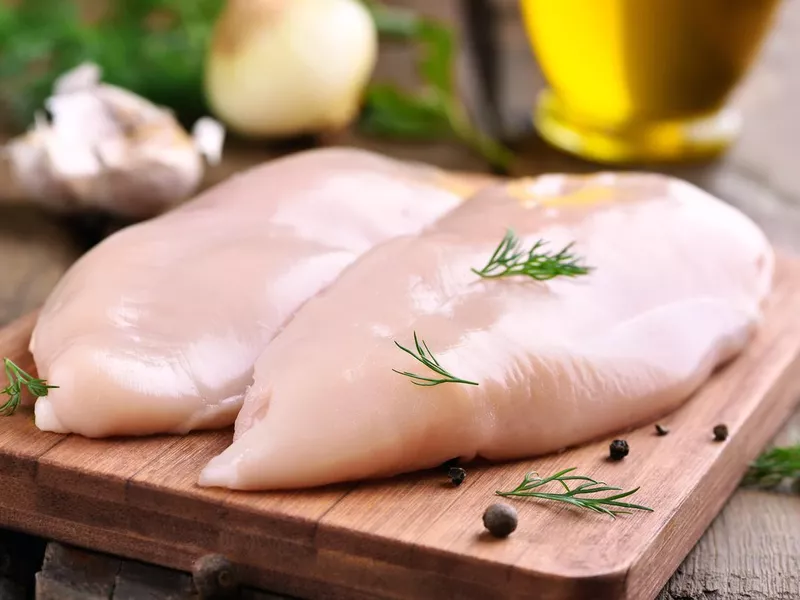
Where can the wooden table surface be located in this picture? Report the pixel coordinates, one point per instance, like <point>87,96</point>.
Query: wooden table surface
<point>752,550</point>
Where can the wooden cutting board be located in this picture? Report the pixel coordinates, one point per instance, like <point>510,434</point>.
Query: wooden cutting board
<point>415,536</point>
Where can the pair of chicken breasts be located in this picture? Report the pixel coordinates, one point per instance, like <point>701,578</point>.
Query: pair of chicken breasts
<point>306,300</point>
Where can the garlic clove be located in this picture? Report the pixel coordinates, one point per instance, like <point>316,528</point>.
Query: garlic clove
<point>209,137</point>
<point>106,147</point>
<point>84,76</point>
<point>30,164</point>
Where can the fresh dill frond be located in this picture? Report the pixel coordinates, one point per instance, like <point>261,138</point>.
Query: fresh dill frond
<point>578,495</point>
<point>426,357</point>
<point>17,379</point>
<point>510,259</point>
<point>774,466</point>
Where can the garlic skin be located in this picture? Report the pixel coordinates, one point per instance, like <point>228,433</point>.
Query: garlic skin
<point>110,149</point>
<point>280,68</point>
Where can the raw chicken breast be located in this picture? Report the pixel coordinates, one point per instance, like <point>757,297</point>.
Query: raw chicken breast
<point>675,289</point>
<point>158,327</point>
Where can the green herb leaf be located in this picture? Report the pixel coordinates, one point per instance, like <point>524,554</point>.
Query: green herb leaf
<point>41,39</point>
<point>775,466</point>
<point>510,259</point>
<point>435,111</point>
<point>392,21</point>
<point>438,57</point>
<point>391,112</point>
<point>580,495</point>
<point>17,379</point>
<point>426,357</point>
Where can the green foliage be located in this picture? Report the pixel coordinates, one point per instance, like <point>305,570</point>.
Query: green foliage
<point>434,111</point>
<point>775,466</point>
<point>40,39</point>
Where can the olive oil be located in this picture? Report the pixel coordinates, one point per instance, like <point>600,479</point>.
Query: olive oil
<point>642,78</point>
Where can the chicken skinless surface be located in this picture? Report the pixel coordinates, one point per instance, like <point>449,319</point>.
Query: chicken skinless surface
<point>675,289</point>
<point>156,329</point>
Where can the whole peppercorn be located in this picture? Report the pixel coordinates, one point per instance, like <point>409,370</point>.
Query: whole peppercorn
<point>618,449</point>
<point>661,430</point>
<point>500,520</point>
<point>457,475</point>
<point>214,578</point>
<point>720,432</point>
<point>453,462</point>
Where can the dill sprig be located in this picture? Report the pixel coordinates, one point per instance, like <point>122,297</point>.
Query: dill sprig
<point>577,496</point>
<point>426,357</point>
<point>510,259</point>
<point>775,466</point>
<point>17,378</point>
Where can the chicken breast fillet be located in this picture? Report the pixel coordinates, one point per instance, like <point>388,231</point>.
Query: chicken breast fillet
<point>675,289</point>
<point>157,328</point>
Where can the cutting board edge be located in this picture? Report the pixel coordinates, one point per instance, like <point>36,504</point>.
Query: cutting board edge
<point>639,575</point>
<point>615,577</point>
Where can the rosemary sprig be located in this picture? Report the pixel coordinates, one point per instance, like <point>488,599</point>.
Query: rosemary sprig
<point>426,357</point>
<point>510,259</point>
<point>577,496</point>
<point>774,466</point>
<point>17,378</point>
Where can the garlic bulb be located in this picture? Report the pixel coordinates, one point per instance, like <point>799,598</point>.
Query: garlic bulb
<point>105,147</point>
<point>279,68</point>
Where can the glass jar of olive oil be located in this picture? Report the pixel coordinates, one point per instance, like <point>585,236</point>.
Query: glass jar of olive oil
<point>642,80</point>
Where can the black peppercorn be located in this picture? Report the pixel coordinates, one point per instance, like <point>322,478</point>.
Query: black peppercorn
<point>500,520</point>
<point>457,475</point>
<point>720,432</point>
<point>448,464</point>
<point>214,578</point>
<point>618,449</point>
<point>661,430</point>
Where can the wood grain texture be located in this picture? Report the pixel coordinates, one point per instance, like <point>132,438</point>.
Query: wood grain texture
<point>742,554</point>
<point>757,176</point>
<point>35,252</point>
<point>748,547</point>
<point>69,574</point>
<point>751,550</point>
<point>414,536</point>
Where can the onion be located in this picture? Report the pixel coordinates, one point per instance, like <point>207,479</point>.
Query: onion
<point>281,68</point>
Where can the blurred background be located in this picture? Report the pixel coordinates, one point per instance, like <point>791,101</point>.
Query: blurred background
<point>114,111</point>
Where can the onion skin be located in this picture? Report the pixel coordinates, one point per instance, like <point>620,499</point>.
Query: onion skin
<point>285,68</point>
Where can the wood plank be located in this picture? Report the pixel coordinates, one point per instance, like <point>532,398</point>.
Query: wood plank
<point>366,522</point>
<point>21,443</point>
<point>447,531</point>
<point>754,545</point>
<point>137,581</point>
<point>99,468</point>
<point>70,574</point>
<point>756,538</point>
<point>36,252</point>
<point>168,483</point>
<point>276,528</point>
<point>287,513</point>
<point>95,534</point>
<point>415,536</point>
<point>699,473</point>
<point>381,579</point>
